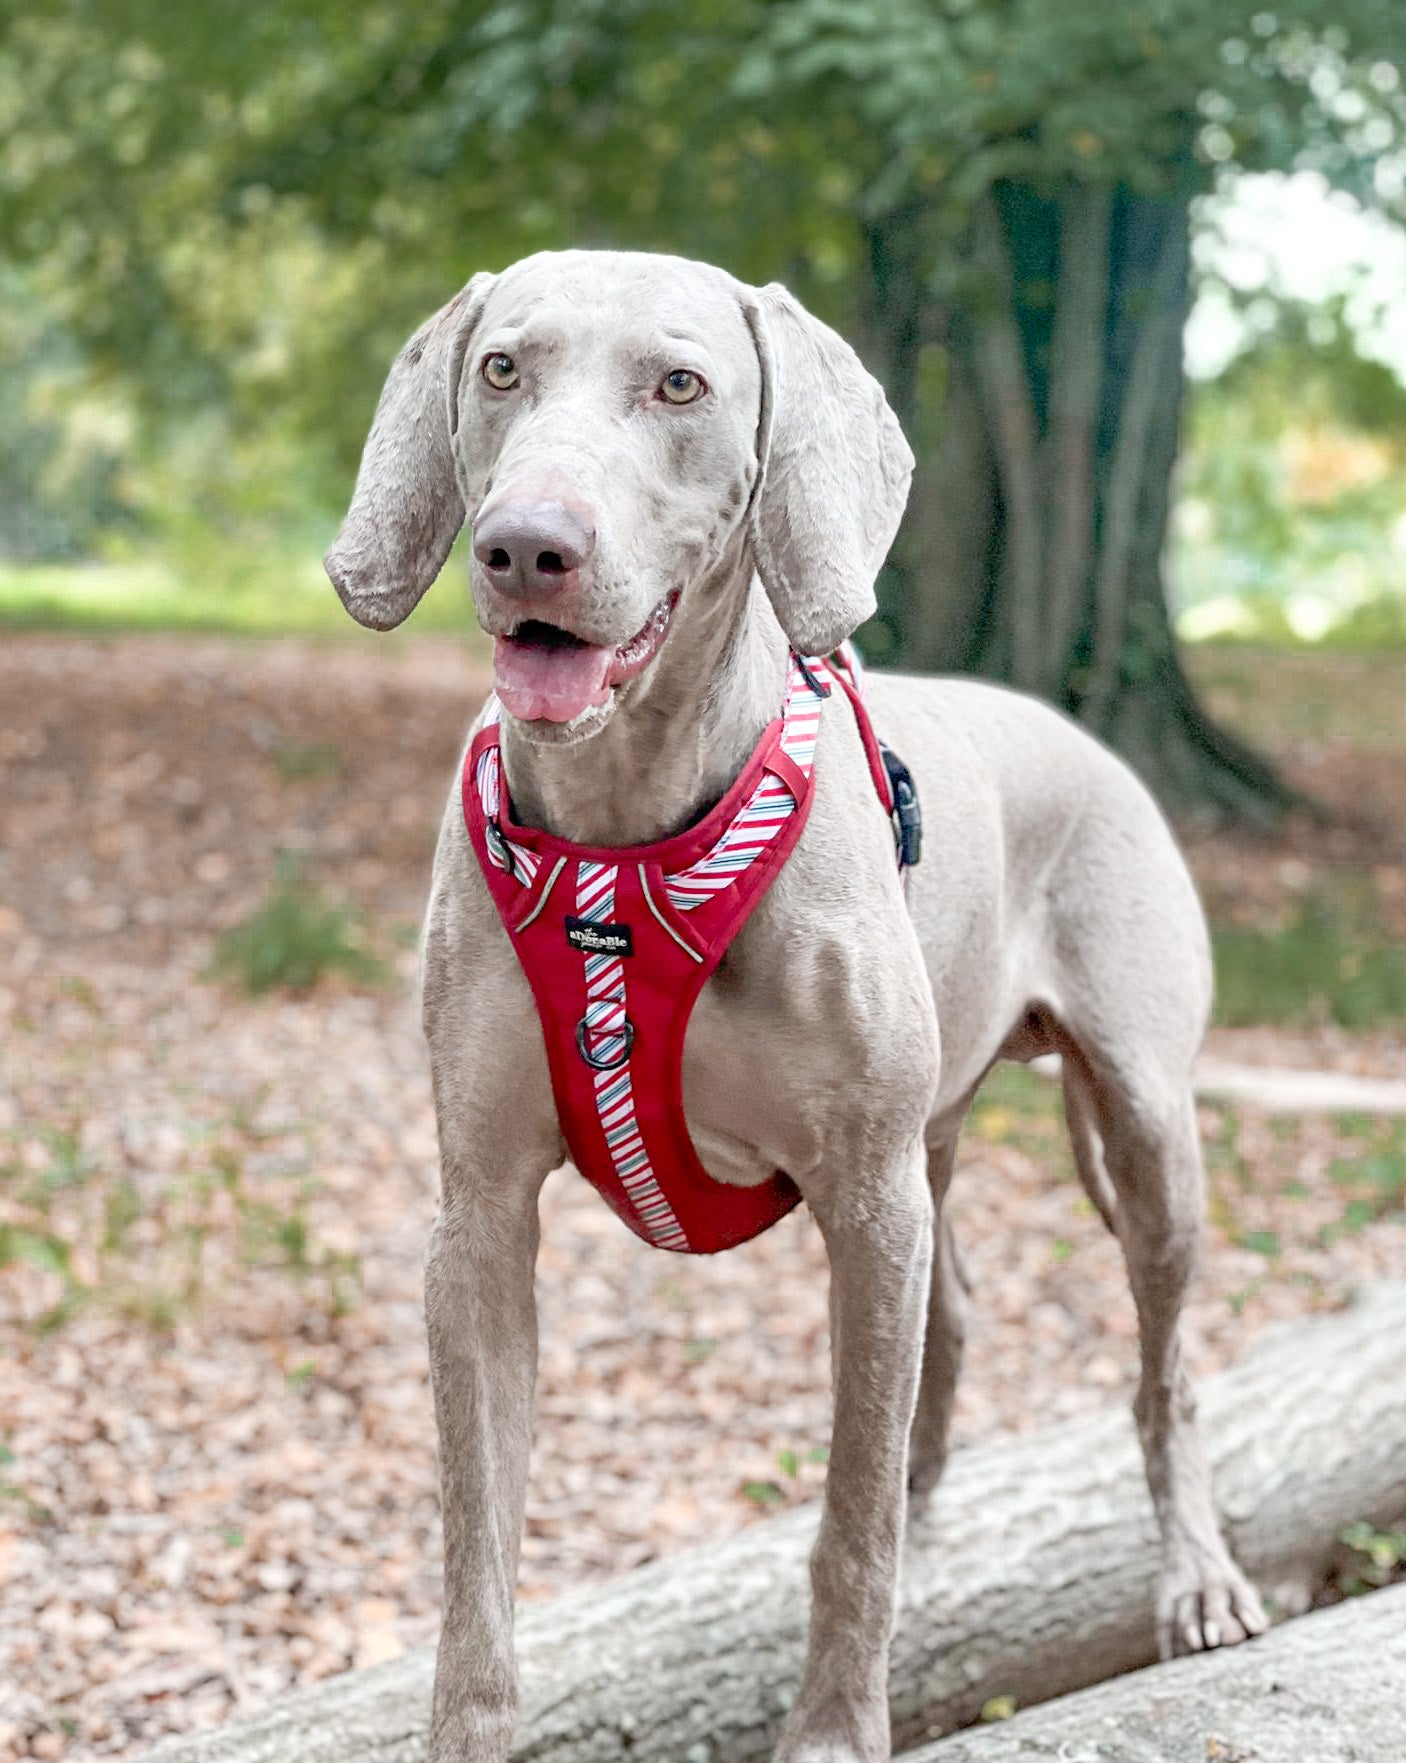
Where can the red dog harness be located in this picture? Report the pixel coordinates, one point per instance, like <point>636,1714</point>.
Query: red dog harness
<point>617,942</point>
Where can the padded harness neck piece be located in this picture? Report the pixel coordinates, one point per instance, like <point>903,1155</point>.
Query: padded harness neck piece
<point>616,943</point>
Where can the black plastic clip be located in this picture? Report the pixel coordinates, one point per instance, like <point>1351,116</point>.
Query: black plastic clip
<point>907,816</point>
<point>499,850</point>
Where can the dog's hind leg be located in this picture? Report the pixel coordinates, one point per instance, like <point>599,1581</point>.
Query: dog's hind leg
<point>1152,1155</point>
<point>945,1334</point>
<point>1126,979</point>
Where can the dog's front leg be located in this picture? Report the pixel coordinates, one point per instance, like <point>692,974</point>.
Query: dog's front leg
<point>879,1238</point>
<point>482,1319</point>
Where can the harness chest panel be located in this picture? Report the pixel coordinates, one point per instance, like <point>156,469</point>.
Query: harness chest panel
<point>617,943</point>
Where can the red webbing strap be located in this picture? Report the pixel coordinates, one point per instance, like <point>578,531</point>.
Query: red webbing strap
<point>877,769</point>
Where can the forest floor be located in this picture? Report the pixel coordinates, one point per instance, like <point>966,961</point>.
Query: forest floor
<point>217,1475</point>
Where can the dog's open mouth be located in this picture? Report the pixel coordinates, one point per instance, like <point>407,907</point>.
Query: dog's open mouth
<point>544,673</point>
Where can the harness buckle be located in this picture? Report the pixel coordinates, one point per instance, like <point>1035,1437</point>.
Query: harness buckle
<point>907,815</point>
<point>625,1035</point>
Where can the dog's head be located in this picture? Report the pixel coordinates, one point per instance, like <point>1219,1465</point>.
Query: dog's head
<point>610,423</point>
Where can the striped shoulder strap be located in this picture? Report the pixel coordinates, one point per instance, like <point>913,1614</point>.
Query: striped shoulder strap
<point>769,807</point>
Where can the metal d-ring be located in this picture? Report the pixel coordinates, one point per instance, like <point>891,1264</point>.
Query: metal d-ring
<point>594,1060</point>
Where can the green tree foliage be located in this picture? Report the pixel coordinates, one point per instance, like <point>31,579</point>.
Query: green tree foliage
<point>143,142</point>
<point>991,195</point>
<point>1278,522</point>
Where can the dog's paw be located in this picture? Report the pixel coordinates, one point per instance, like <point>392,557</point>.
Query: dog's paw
<point>1220,1610</point>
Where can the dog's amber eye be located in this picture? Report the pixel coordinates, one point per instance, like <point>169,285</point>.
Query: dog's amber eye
<point>681,386</point>
<point>500,371</point>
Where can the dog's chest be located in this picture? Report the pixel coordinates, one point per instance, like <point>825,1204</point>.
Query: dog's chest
<point>785,1056</point>
<point>746,1096</point>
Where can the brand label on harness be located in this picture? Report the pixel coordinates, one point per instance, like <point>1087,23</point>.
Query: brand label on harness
<point>599,939</point>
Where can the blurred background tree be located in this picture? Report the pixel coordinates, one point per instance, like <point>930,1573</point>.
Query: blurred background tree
<point>234,216</point>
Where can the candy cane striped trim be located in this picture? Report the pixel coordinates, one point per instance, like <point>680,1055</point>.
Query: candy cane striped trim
<point>504,853</point>
<point>605,1018</point>
<point>768,808</point>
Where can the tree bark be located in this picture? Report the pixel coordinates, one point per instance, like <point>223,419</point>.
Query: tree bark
<point>1328,1689</point>
<point>1031,1575</point>
<point>1002,378</point>
<point>1077,371</point>
<point>942,551</point>
<point>1033,549</point>
<point>943,555</point>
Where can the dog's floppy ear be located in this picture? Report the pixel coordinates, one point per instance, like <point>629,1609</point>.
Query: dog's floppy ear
<point>834,474</point>
<point>407,507</point>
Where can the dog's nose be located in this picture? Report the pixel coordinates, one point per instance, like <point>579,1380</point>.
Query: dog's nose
<point>533,549</point>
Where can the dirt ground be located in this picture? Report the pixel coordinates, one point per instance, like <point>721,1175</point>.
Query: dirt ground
<point>217,1475</point>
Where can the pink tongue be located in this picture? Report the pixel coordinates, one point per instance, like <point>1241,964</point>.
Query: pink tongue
<point>549,685</point>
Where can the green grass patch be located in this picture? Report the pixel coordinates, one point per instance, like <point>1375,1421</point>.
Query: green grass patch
<point>1373,1182</point>
<point>253,597</point>
<point>1017,1106</point>
<point>153,1258</point>
<point>790,1463</point>
<point>12,1493</point>
<point>1331,960</point>
<point>1375,1558</point>
<point>296,761</point>
<point>294,940</point>
<point>1257,620</point>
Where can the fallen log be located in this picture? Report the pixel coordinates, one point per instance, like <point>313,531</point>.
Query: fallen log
<point>1030,1576</point>
<point>1326,1689</point>
<point>1290,1091</point>
<point>1280,1089</point>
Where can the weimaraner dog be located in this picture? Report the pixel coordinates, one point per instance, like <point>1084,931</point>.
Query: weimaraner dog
<point>674,480</point>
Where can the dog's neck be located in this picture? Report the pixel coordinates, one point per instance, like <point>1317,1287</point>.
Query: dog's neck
<point>679,735</point>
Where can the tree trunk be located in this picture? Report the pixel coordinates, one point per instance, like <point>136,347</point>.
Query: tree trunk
<point>1328,1689</point>
<point>1031,1575</point>
<point>1033,550</point>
